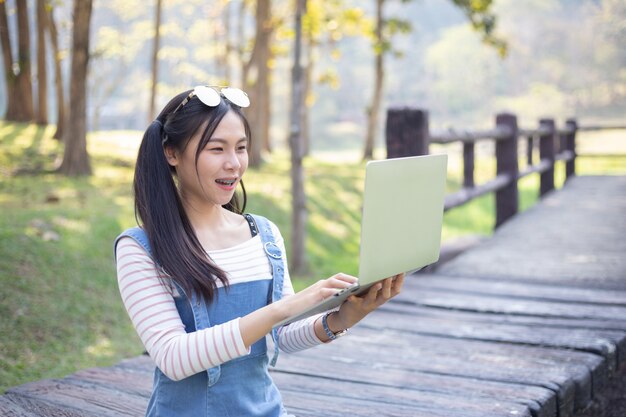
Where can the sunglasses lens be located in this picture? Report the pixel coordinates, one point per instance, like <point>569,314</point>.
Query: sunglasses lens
<point>207,95</point>
<point>236,96</point>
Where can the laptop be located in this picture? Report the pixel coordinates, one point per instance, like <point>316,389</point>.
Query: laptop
<point>403,203</point>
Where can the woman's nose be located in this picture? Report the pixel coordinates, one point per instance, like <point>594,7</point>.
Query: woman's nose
<point>232,161</point>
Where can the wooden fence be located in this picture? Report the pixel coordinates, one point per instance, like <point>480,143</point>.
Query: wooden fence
<point>407,134</point>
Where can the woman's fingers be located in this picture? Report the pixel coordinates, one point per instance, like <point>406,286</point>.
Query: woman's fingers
<point>386,291</point>
<point>398,281</point>
<point>330,286</point>
<point>345,277</point>
<point>338,282</point>
<point>328,292</point>
<point>372,294</point>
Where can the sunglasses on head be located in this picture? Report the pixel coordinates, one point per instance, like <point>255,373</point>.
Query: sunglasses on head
<point>212,95</point>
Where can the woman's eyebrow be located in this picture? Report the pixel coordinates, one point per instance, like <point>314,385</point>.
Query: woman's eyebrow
<point>244,139</point>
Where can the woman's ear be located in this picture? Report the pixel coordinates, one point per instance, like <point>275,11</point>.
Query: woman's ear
<point>171,155</point>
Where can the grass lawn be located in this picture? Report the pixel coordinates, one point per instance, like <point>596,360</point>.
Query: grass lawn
<point>59,303</point>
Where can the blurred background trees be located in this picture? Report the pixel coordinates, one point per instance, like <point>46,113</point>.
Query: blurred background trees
<point>75,156</point>
<point>564,58</point>
<point>17,64</point>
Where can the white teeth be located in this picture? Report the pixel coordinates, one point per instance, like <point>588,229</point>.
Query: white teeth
<point>226,182</point>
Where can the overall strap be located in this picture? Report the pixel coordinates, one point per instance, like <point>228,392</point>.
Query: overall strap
<point>139,235</point>
<point>254,230</point>
<point>275,257</point>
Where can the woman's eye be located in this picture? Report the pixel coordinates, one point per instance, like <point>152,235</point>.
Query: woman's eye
<point>216,149</point>
<point>242,148</point>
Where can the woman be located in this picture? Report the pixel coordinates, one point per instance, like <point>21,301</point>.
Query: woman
<point>204,283</point>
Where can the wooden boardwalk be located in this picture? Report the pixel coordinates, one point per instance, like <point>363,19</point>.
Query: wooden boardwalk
<point>530,323</point>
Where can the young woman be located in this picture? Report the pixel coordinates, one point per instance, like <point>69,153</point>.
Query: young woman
<point>204,283</point>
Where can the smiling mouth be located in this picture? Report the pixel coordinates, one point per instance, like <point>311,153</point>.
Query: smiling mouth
<point>226,182</point>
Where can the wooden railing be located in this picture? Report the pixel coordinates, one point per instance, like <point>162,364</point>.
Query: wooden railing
<point>407,134</point>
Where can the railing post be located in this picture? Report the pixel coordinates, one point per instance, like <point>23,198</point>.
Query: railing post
<point>546,151</point>
<point>506,160</point>
<point>530,143</point>
<point>468,164</point>
<point>570,145</point>
<point>406,132</point>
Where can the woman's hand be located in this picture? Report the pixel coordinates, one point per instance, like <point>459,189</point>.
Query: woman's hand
<point>357,307</point>
<point>260,322</point>
<point>316,293</point>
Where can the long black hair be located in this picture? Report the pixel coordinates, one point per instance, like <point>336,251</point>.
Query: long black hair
<point>158,207</point>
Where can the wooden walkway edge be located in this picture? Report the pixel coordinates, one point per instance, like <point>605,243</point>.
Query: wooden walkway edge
<point>532,322</point>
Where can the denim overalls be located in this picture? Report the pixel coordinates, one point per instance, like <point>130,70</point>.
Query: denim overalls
<point>240,387</point>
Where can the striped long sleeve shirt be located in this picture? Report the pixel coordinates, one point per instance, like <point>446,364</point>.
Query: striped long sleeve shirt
<point>149,300</point>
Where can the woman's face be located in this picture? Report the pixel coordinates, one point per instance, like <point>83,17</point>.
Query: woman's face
<point>221,164</point>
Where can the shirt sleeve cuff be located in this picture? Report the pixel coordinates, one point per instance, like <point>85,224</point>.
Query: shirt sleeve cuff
<point>238,339</point>
<point>312,328</point>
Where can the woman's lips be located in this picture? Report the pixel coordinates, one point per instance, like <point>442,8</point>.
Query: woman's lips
<point>226,183</point>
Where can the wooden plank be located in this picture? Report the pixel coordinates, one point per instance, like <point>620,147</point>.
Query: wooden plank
<point>512,305</point>
<point>465,195</point>
<point>539,396</point>
<point>9,408</point>
<point>450,136</point>
<point>566,372</point>
<point>43,408</point>
<point>601,342</point>
<point>509,287</point>
<point>422,400</point>
<point>304,404</point>
<point>130,381</point>
<point>57,397</point>
<point>569,297</point>
<point>616,324</point>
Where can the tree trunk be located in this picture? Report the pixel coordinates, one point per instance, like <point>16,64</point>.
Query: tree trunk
<point>7,59</point>
<point>24,99</point>
<point>240,42</point>
<point>229,45</point>
<point>42,79</point>
<point>256,78</point>
<point>374,107</point>
<point>75,158</point>
<point>58,75</point>
<point>298,262</point>
<point>308,88</point>
<point>155,60</point>
<point>19,85</point>
<point>263,87</point>
<point>264,92</point>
